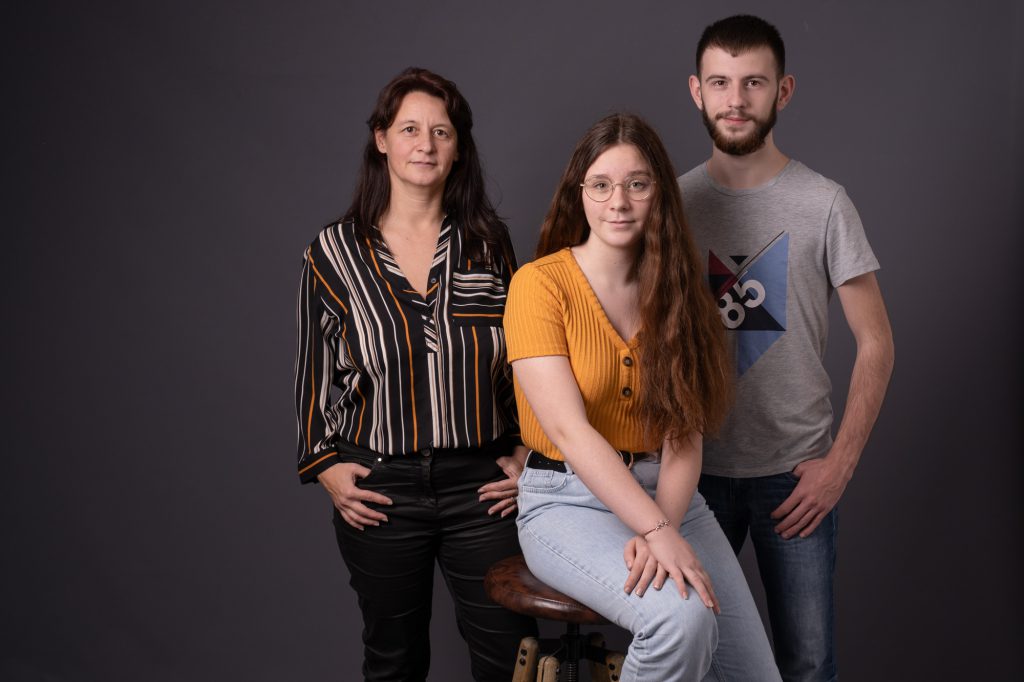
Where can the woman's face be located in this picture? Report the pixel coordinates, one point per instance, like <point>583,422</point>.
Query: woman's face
<point>617,222</point>
<point>420,144</point>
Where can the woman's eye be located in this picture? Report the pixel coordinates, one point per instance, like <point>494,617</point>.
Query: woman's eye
<point>409,129</point>
<point>440,132</point>
<point>599,185</point>
<point>638,184</point>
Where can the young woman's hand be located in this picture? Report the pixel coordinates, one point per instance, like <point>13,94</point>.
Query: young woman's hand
<point>340,483</point>
<point>676,556</point>
<point>644,569</point>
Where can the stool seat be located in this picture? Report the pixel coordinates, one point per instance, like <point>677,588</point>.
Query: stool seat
<point>511,584</point>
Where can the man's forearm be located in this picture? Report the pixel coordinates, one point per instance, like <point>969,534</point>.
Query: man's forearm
<point>868,383</point>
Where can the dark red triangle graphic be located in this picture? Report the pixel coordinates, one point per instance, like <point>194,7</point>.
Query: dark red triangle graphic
<point>719,274</point>
<point>716,266</point>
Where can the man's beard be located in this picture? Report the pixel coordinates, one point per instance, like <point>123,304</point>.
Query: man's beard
<point>743,145</point>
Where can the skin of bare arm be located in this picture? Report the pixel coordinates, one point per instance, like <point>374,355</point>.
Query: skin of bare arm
<point>554,397</point>
<point>823,480</point>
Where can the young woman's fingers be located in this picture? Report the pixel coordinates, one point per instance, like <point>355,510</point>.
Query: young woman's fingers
<point>702,584</point>
<point>650,570</point>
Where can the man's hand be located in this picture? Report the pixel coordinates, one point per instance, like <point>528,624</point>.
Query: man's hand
<point>340,483</point>
<point>822,482</point>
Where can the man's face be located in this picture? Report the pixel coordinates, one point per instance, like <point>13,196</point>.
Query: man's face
<point>739,98</point>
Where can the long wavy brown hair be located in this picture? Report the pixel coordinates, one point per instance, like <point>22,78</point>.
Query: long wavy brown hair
<point>686,377</point>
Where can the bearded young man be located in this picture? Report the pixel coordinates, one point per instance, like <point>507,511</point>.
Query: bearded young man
<point>778,238</point>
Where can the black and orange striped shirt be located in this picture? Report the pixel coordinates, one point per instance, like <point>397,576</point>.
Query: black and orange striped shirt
<point>386,369</point>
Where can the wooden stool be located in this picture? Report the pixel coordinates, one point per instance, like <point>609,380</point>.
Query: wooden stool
<point>510,583</point>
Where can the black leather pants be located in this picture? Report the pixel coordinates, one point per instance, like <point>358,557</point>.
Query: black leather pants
<point>436,516</point>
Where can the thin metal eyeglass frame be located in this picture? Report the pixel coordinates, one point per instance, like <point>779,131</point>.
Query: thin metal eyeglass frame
<point>650,191</point>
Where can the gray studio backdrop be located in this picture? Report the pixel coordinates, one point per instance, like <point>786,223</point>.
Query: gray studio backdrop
<point>167,162</point>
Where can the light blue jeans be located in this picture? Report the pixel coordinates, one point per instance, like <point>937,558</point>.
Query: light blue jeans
<point>573,543</point>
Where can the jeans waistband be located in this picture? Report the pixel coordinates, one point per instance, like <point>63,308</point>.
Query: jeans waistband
<point>536,460</point>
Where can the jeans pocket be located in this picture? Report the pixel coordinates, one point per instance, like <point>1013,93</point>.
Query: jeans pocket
<point>542,480</point>
<point>376,465</point>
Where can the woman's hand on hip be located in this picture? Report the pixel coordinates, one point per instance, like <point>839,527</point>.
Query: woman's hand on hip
<point>506,491</point>
<point>340,483</point>
<point>676,556</point>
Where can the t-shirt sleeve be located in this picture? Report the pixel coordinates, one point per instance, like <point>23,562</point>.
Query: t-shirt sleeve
<point>534,316</point>
<point>847,251</point>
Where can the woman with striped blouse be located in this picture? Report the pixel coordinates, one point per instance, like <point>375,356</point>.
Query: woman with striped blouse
<point>404,396</point>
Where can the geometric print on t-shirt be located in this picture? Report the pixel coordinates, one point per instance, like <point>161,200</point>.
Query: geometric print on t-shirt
<point>751,293</point>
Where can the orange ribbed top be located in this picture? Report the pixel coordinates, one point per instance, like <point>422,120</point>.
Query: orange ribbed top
<point>551,310</point>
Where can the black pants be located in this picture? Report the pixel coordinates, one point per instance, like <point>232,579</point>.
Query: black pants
<point>436,516</point>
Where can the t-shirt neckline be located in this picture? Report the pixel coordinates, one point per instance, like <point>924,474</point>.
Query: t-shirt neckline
<point>722,189</point>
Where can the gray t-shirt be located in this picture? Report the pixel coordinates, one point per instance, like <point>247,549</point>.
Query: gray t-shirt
<point>774,254</point>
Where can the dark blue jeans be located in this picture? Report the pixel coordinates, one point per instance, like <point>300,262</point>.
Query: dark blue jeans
<point>797,573</point>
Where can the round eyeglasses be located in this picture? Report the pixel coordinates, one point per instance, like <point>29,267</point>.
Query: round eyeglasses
<point>601,189</point>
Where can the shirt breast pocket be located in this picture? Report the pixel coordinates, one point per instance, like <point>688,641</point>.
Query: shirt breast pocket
<point>477,297</point>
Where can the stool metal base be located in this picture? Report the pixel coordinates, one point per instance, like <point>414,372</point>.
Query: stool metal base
<point>563,656</point>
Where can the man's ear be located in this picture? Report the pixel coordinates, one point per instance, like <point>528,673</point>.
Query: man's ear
<point>695,92</point>
<point>787,86</point>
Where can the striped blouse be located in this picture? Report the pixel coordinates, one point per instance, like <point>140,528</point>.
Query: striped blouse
<point>386,369</point>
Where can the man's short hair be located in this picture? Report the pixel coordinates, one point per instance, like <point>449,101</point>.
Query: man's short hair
<point>741,33</point>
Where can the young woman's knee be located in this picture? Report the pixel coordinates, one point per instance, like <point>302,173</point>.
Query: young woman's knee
<point>689,626</point>
<point>675,644</point>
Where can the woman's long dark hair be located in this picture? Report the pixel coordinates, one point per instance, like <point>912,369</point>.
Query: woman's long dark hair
<point>465,198</point>
<point>686,377</point>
